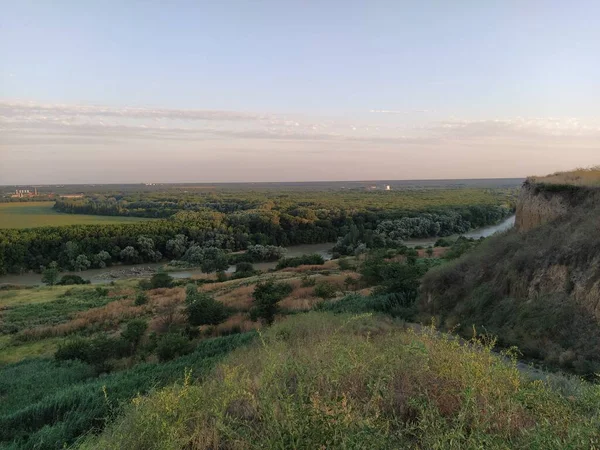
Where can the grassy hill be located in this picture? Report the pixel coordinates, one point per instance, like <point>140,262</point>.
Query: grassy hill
<point>339,381</point>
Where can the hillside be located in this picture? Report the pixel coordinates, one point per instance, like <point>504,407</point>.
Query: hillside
<point>537,287</point>
<point>336,381</point>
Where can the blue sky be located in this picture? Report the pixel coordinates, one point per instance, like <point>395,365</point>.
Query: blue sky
<point>355,83</point>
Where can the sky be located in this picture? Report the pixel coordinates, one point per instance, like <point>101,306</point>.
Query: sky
<point>203,91</point>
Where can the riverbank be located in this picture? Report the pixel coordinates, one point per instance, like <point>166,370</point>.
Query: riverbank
<point>108,274</point>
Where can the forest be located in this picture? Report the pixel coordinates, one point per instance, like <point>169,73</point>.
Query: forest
<point>232,221</point>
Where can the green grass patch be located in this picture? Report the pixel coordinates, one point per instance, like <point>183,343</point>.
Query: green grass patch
<point>41,214</point>
<point>73,404</point>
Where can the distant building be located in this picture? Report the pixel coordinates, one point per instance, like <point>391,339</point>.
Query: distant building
<point>21,193</point>
<point>387,187</point>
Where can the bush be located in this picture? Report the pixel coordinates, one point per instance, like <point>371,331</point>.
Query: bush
<point>345,264</point>
<point>312,260</point>
<point>134,331</point>
<point>325,290</point>
<point>144,285</point>
<point>97,351</point>
<point>266,295</point>
<point>202,309</point>
<point>221,276</point>
<point>307,280</point>
<point>76,349</point>
<point>101,291</point>
<point>172,345</point>
<point>161,280</point>
<point>141,298</point>
<point>67,280</point>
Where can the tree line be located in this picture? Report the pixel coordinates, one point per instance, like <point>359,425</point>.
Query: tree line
<point>187,234</point>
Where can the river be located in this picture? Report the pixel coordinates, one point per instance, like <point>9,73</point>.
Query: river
<point>99,276</point>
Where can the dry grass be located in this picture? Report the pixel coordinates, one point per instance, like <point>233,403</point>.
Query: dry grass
<point>237,323</point>
<point>324,381</point>
<point>239,298</point>
<point>580,177</point>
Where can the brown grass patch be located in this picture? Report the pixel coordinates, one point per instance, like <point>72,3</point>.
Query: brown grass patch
<point>106,317</point>
<point>237,323</point>
<point>239,298</point>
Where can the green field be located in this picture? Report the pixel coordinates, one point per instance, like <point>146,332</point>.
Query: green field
<point>41,214</point>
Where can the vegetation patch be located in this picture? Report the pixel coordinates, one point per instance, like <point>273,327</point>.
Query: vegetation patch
<point>320,380</point>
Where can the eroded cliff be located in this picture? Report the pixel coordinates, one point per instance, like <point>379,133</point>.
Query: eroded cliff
<point>538,287</point>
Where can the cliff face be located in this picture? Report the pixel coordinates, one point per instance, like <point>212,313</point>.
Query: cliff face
<point>538,288</point>
<point>536,207</point>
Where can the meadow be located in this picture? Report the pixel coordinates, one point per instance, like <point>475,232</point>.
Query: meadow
<point>98,366</point>
<point>42,214</point>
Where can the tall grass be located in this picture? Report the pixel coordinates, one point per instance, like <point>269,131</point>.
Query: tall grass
<point>336,381</point>
<point>588,177</point>
<point>57,415</point>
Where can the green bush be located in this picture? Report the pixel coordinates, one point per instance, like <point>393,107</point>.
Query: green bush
<point>72,279</point>
<point>202,309</point>
<point>325,290</point>
<point>161,280</point>
<point>345,264</point>
<point>266,295</point>
<point>96,351</point>
<point>134,331</point>
<point>172,345</point>
<point>141,298</point>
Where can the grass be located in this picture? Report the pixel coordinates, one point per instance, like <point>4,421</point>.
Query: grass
<point>41,214</point>
<point>589,177</point>
<point>13,353</point>
<point>337,381</point>
<point>37,418</point>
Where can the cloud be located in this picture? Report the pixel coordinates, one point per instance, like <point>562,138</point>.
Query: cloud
<point>388,111</point>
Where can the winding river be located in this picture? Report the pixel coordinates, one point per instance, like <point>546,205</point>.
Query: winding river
<point>99,276</point>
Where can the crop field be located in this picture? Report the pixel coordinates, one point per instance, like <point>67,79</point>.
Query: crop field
<point>40,214</point>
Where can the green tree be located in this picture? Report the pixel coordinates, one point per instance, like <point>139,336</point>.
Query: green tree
<point>202,309</point>
<point>50,274</point>
<point>266,295</point>
<point>134,331</point>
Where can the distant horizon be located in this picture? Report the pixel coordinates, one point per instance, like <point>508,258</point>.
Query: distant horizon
<point>370,180</point>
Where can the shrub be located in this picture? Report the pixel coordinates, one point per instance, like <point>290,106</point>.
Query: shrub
<point>313,260</point>
<point>134,331</point>
<point>96,351</point>
<point>144,284</point>
<point>345,264</point>
<point>161,280</point>
<point>141,298</point>
<point>76,349</point>
<point>50,274</point>
<point>72,279</point>
<point>101,291</point>
<point>325,290</point>
<point>202,309</point>
<point>172,345</point>
<point>307,280</point>
<point>221,276</point>
<point>266,295</point>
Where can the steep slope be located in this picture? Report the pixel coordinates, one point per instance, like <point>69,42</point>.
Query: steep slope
<point>537,287</point>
